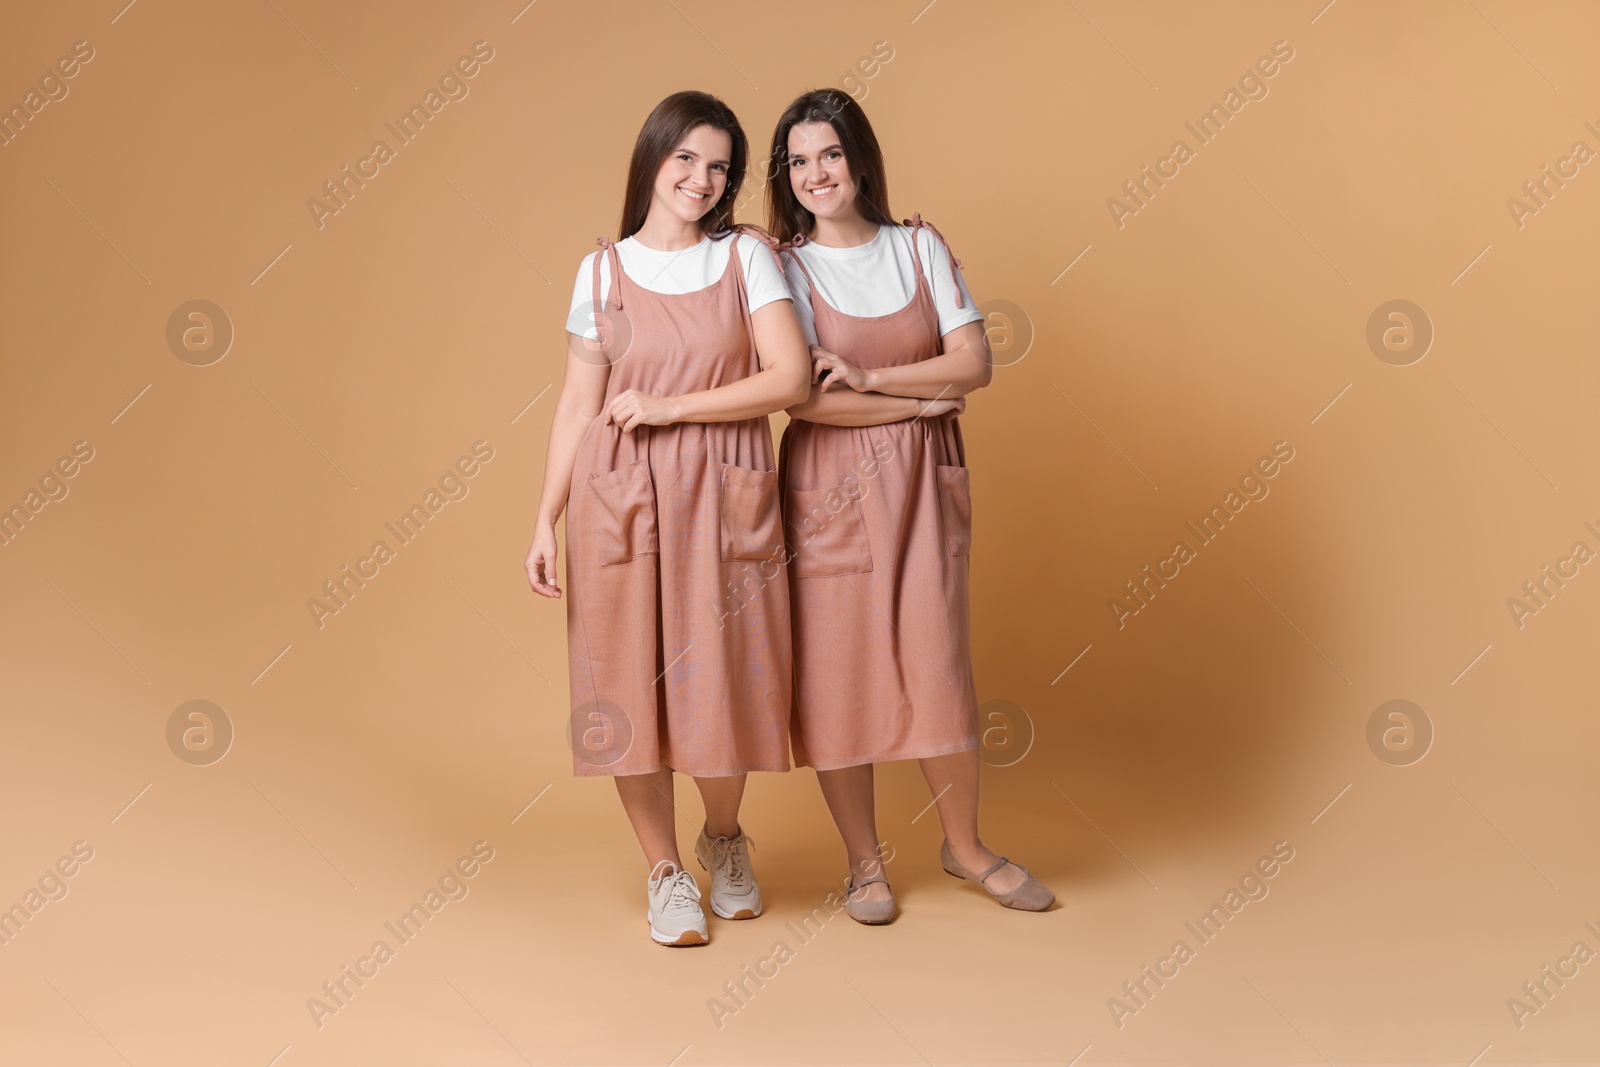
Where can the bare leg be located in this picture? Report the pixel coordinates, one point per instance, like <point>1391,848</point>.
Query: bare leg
<point>954,781</point>
<point>647,798</point>
<point>848,791</point>
<point>721,797</point>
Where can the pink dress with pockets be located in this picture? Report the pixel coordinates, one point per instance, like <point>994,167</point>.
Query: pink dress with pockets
<point>677,597</point>
<point>879,520</point>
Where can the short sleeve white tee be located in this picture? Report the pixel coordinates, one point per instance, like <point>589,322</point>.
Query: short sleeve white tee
<point>683,271</point>
<point>878,278</point>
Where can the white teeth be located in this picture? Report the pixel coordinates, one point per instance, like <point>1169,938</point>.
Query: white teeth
<point>694,196</point>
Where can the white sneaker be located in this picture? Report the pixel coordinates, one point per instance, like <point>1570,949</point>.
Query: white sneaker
<point>675,914</point>
<point>734,892</point>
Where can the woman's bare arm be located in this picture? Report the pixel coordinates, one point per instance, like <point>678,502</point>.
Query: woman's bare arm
<point>780,383</point>
<point>964,365</point>
<point>785,372</point>
<point>582,397</point>
<point>846,407</point>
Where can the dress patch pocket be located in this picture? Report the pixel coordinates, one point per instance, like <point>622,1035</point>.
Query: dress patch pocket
<point>625,521</point>
<point>751,525</point>
<point>955,509</point>
<point>828,532</point>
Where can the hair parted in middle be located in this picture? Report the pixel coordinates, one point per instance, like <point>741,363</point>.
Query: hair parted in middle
<point>786,218</point>
<point>664,130</point>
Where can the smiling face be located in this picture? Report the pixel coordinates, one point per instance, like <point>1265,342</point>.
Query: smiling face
<point>818,173</point>
<point>694,175</point>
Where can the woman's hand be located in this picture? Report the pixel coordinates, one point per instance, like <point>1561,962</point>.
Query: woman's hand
<point>839,370</point>
<point>631,408</point>
<point>541,564</point>
<point>957,404</point>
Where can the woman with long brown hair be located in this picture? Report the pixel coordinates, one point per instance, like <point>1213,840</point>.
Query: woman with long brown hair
<point>877,502</point>
<point>681,340</point>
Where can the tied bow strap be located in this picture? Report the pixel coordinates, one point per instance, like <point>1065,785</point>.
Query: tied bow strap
<point>616,286</point>
<point>774,245</point>
<point>916,220</point>
<point>789,246</point>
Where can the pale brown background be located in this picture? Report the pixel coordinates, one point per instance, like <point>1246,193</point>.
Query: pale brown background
<point>1227,315</point>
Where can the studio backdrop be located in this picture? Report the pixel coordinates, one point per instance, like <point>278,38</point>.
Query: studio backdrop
<point>1285,526</point>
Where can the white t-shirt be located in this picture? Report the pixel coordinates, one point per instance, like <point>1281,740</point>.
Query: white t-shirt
<point>683,271</point>
<point>878,278</point>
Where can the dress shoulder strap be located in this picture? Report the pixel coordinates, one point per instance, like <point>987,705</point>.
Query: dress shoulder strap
<point>743,285</point>
<point>789,246</point>
<point>773,244</point>
<point>916,222</point>
<point>616,274</point>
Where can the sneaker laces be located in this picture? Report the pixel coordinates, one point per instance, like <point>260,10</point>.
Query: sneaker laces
<point>685,892</point>
<point>730,851</point>
<point>737,860</point>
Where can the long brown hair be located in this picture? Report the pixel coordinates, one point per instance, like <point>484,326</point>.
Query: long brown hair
<point>663,131</point>
<point>785,217</point>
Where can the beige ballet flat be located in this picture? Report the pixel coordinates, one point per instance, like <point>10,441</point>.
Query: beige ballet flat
<point>871,912</point>
<point>1031,895</point>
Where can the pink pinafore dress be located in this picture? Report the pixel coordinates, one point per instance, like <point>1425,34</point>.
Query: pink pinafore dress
<point>879,521</point>
<point>677,596</point>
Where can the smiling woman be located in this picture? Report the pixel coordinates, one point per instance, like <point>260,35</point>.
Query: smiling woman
<point>681,341</point>
<point>882,637</point>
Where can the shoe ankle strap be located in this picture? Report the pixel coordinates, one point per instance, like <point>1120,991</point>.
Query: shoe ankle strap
<point>1001,862</point>
<point>854,885</point>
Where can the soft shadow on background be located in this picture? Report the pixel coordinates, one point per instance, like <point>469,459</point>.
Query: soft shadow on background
<point>1151,354</point>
